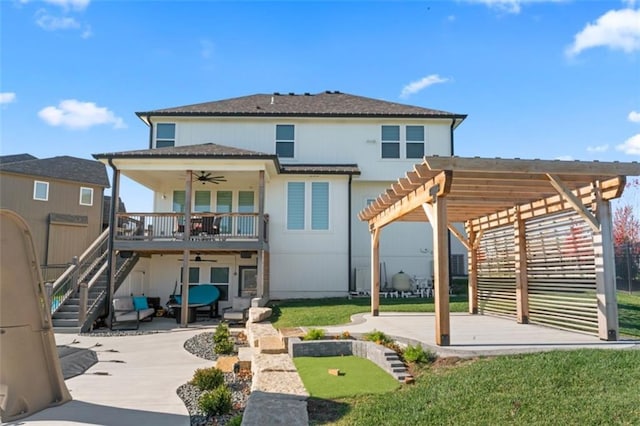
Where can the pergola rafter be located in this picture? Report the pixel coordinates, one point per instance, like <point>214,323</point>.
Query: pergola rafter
<point>485,194</point>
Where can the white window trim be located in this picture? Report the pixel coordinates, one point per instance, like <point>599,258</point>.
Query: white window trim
<point>90,191</point>
<point>35,186</point>
<point>308,203</point>
<point>175,131</point>
<point>293,141</point>
<point>402,150</point>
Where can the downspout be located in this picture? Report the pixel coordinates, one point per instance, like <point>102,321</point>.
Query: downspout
<point>112,231</point>
<point>453,123</point>
<point>150,132</point>
<point>350,280</point>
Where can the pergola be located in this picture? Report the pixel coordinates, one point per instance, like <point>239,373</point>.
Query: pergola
<point>538,235</point>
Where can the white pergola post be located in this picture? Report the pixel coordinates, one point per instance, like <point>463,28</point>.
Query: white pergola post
<point>375,272</point>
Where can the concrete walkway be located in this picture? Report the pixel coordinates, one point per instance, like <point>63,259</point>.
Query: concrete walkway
<point>473,335</point>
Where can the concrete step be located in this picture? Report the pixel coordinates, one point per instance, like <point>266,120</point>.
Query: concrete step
<point>245,355</point>
<point>271,345</point>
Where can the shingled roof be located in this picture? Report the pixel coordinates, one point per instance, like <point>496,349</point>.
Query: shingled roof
<point>63,167</point>
<point>5,159</point>
<point>206,150</point>
<point>324,104</point>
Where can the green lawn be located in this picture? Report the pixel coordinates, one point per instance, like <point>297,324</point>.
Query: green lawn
<point>629,314</point>
<point>359,377</point>
<point>582,387</point>
<point>337,311</point>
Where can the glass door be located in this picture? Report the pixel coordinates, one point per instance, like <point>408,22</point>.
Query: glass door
<point>248,281</point>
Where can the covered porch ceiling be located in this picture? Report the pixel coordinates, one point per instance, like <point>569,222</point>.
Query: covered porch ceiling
<point>485,192</point>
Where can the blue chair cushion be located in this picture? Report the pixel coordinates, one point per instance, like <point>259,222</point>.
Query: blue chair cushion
<point>140,303</point>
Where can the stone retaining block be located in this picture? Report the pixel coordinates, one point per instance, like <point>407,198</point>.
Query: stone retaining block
<point>274,409</point>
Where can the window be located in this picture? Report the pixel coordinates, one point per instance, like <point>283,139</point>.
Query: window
<point>223,203</point>
<point>415,141</point>
<point>202,201</point>
<point>165,135</point>
<point>285,140</point>
<point>457,265</point>
<point>320,205</point>
<point>194,275</point>
<point>86,196</point>
<point>295,205</point>
<point>40,190</point>
<point>390,141</point>
<point>245,205</point>
<point>219,276</point>
<point>178,201</point>
<point>300,201</point>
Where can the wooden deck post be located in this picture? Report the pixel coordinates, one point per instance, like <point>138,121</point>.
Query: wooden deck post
<point>441,269</point>
<point>474,241</point>
<point>605,272</point>
<point>375,272</point>
<point>522,282</point>
<point>184,317</point>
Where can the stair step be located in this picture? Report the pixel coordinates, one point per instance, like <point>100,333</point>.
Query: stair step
<point>65,315</point>
<point>65,322</point>
<point>271,345</point>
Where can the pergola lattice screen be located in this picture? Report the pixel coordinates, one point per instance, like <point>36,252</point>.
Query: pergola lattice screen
<point>561,272</point>
<point>496,272</point>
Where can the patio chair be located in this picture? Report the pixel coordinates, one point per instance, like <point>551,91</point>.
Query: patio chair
<point>131,309</point>
<point>238,311</point>
<point>210,226</point>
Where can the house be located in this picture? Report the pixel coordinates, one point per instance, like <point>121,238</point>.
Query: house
<point>260,194</point>
<point>61,200</point>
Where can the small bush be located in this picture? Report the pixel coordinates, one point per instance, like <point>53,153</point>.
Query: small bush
<point>224,347</point>
<point>215,402</point>
<point>235,421</point>
<point>416,354</point>
<point>314,334</point>
<point>207,378</point>
<point>222,333</point>
<point>378,337</point>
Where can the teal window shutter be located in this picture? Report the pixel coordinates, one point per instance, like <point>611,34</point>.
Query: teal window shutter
<point>224,201</point>
<point>178,201</point>
<point>203,201</point>
<point>245,205</point>
<point>295,205</point>
<point>320,205</point>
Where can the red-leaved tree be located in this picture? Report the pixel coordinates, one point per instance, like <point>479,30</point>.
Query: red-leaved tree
<point>626,241</point>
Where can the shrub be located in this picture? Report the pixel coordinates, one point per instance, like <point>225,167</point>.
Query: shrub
<point>378,337</point>
<point>215,402</point>
<point>222,343</point>
<point>207,378</point>
<point>224,347</point>
<point>314,334</point>
<point>416,354</point>
<point>235,421</point>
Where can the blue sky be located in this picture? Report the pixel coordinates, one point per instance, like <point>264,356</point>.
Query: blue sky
<point>538,79</point>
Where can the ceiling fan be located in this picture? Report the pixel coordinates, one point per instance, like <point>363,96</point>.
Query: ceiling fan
<point>205,177</point>
<point>198,258</point>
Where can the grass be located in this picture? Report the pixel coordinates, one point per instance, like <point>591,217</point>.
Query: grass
<point>360,377</point>
<point>561,387</point>
<point>629,314</point>
<point>337,311</point>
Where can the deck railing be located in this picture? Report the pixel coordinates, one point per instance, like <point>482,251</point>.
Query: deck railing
<point>171,226</point>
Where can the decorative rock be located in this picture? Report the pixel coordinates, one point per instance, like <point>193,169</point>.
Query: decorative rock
<point>271,345</point>
<point>335,372</point>
<point>259,314</point>
<point>225,363</point>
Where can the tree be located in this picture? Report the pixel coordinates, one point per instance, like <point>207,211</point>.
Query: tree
<point>626,241</point>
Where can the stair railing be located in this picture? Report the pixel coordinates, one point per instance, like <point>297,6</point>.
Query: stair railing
<point>81,269</point>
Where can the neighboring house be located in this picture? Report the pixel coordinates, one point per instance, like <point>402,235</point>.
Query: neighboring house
<point>61,200</point>
<point>286,175</point>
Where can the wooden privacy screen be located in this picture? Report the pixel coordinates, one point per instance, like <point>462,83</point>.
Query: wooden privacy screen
<point>560,272</point>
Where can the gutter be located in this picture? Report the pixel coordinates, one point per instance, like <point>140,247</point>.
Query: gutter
<point>112,231</point>
<point>350,275</point>
<point>453,122</point>
<point>150,131</point>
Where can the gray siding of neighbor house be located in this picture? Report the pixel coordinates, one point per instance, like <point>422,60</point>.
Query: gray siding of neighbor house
<point>61,227</point>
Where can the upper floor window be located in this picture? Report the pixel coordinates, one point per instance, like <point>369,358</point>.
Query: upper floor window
<point>300,201</point>
<point>415,141</point>
<point>178,201</point>
<point>165,134</point>
<point>40,190</point>
<point>285,140</point>
<point>202,201</point>
<point>390,141</point>
<point>86,196</point>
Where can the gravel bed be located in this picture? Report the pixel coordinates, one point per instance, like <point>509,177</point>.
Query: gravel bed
<point>201,346</point>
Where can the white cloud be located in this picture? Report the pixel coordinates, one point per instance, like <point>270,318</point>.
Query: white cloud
<point>87,32</point>
<point>206,48</point>
<point>70,4</point>
<point>510,6</point>
<point>634,117</point>
<point>631,146</point>
<point>75,114</point>
<point>423,83</point>
<point>565,158</point>
<point>598,148</point>
<point>7,97</point>
<point>616,29</point>
<point>52,23</point>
